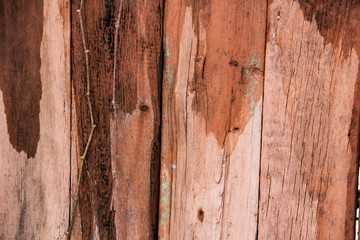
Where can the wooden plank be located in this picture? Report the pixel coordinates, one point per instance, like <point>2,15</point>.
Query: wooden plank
<point>95,219</point>
<point>34,119</point>
<point>310,120</point>
<point>119,189</point>
<point>135,123</point>
<point>211,119</point>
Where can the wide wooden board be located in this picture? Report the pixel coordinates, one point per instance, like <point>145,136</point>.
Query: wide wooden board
<point>119,189</point>
<point>211,119</point>
<point>310,120</point>
<point>34,119</point>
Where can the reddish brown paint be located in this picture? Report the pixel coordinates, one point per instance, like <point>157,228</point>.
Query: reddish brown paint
<point>20,36</point>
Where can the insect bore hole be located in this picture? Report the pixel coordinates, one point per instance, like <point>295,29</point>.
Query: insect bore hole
<point>201,215</point>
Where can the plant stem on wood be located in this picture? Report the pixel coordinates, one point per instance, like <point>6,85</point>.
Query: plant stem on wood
<point>93,126</point>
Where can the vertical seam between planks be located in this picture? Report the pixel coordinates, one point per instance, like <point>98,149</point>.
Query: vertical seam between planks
<point>70,104</point>
<point>262,118</point>
<point>160,89</point>
<point>161,132</point>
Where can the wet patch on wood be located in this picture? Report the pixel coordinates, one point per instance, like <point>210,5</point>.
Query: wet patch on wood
<point>21,36</point>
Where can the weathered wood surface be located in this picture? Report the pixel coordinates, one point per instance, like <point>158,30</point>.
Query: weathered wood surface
<point>211,119</point>
<point>34,119</point>
<point>238,160</point>
<point>119,190</point>
<point>135,123</point>
<point>310,120</point>
<point>95,219</point>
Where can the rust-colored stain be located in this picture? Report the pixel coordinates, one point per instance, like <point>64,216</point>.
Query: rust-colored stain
<point>338,22</point>
<point>20,39</point>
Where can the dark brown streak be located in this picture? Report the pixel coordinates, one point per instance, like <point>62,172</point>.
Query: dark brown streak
<point>20,64</point>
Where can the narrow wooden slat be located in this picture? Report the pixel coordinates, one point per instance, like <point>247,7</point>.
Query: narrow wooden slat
<point>135,123</point>
<point>95,220</point>
<point>119,189</point>
<point>310,120</point>
<point>211,120</point>
<point>34,119</point>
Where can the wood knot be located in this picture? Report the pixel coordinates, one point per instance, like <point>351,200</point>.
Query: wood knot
<point>201,215</point>
<point>144,108</point>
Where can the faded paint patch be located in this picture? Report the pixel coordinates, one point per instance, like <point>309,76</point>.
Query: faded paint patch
<point>165,202</point>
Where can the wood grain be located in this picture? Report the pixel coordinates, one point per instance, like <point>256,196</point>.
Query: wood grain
<point>310,121</point>
<point>119,190</point>
<point>211,119</point>
<point>135,123</point>
<point>34,119</point>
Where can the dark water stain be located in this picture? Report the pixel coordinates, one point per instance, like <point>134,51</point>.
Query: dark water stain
<point>337,21</point>
<point>21,29</point>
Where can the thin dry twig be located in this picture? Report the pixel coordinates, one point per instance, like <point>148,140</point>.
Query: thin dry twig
<point>93,126</point>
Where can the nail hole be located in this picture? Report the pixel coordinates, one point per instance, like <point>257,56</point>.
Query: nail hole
<point>144,108</point>
<point>234,63</point>
<point>201,215</point>
<point>236,128</point>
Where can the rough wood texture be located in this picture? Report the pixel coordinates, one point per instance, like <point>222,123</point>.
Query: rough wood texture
<point>211,120</point>
<point>119,192</point>
<point>135,124</point>
<point>225,138</point>
<point>34,119</point>
<point>310,120</point>
<point>95,195</point>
